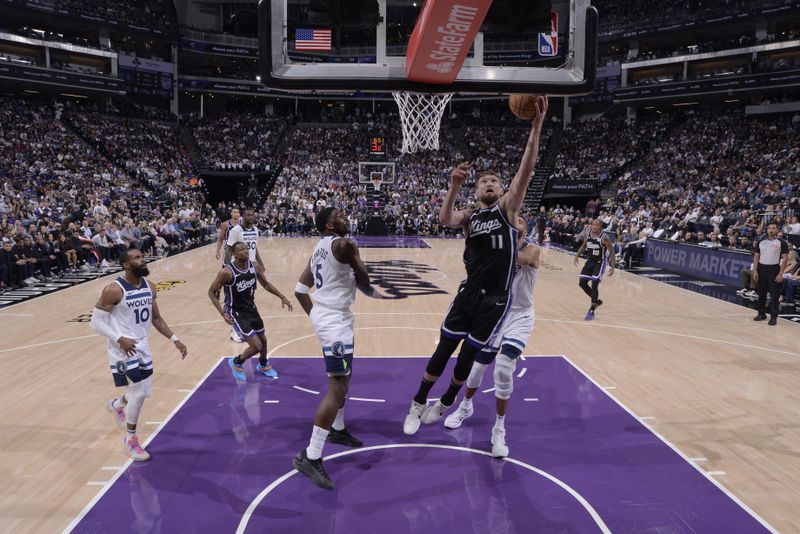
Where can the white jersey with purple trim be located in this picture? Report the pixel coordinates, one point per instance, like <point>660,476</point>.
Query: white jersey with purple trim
<point>335,282</point>
<point>131,317</point>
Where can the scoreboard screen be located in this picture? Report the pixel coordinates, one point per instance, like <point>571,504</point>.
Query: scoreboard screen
<point>147,82</point>
<point>376,145</point>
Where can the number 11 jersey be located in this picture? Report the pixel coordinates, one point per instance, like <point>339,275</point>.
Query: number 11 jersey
<point>490,251</point>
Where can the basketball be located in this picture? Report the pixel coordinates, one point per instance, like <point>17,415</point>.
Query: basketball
<point>523,106</point>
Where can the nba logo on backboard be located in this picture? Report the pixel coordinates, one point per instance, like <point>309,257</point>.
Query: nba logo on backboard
<point>548,45</point>
<point>548,42</point>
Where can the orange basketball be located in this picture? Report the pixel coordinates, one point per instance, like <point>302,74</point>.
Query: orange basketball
<point>523,106</point>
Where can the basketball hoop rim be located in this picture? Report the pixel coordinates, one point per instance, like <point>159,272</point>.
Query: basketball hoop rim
<point>420,119</point>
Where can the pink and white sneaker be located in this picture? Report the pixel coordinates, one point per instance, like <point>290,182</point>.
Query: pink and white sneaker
<point>134,450</point>
<point>119,415</point>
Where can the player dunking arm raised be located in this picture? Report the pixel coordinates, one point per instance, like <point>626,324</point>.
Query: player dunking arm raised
<point>124,313</point>
<point>600,252</point>
<point>239,278</point>
<point>490,256</point>
<point>224,231</point>
<point>335,270</point>
<point>510,343</point>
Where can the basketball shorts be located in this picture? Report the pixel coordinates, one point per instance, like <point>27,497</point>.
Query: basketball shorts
<point>127,369</point>
<point>475,315</point>
<point>247,323</point>
<point>512,338</point>
<point>334,328</point>
<point>593,270</point>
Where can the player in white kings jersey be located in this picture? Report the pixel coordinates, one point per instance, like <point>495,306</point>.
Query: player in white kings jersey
<point>510,342</point>
<point>124,313</point>
<point>335,270</point>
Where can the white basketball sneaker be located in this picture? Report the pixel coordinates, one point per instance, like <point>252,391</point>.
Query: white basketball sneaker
<point>455,419</point>
<point>134,450</point>
<point>499,446</point>
<point>411,424</point>
<point>434,412</point>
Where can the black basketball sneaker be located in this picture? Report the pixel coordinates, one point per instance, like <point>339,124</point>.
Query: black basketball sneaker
<point>313,469</point>
<point>343,437</point>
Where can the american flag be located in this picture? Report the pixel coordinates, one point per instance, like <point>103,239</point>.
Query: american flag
<point>308,39</point>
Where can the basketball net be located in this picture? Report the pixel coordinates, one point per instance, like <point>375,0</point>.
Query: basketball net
<point>376,181</point>
<point>421,117</point>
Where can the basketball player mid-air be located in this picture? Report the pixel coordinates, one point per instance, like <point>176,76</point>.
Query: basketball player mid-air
<point>335,270</point>
<point>511,341</point>
<point>600,253</point>
<point>238,278</point>
<point>124,313</point>
<point>490,256</point>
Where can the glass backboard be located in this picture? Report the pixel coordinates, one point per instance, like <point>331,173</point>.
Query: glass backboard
<point>521,46</point>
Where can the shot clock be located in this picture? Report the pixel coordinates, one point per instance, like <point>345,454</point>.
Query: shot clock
<point>376,145</point>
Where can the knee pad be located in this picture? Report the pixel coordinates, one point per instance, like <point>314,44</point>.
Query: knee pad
<point>504,368</point>
<point>476,375</point>
<point>136,394</point>
<point>466,357</point>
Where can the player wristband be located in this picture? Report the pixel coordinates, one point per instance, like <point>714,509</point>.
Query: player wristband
<point>301,288</point>
<point>174,338</point>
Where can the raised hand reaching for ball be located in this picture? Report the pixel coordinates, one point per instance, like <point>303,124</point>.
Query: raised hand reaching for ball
<point>459,175</point>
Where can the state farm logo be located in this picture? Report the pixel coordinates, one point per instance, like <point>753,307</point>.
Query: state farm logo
<point>452,38</point>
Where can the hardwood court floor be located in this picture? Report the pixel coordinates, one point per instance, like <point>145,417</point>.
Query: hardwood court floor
<point>717,385</point>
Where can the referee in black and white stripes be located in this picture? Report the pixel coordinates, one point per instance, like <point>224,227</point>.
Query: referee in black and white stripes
<point>769,262</point>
